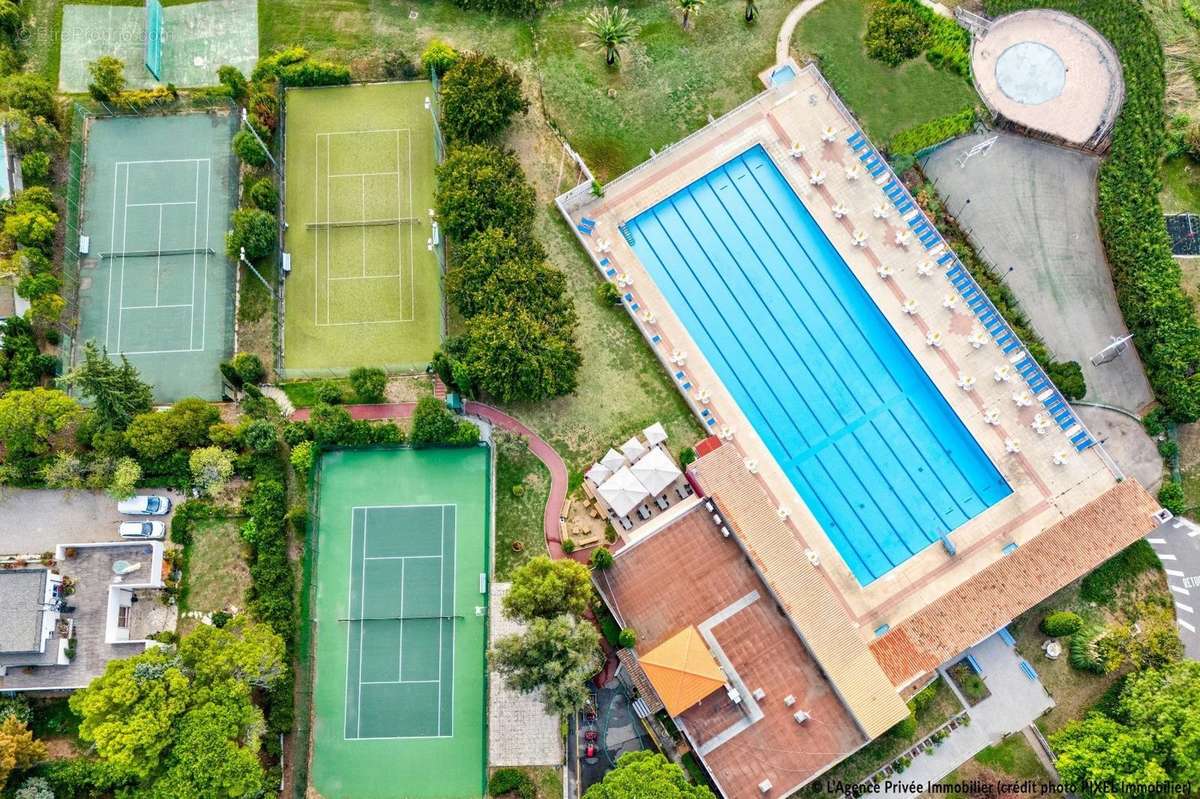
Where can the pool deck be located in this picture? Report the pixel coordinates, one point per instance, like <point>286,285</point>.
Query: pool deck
<point>798,113</point>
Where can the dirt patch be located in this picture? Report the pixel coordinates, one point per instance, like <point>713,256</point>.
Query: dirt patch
<point>407,388</point>
<point>61,748</point>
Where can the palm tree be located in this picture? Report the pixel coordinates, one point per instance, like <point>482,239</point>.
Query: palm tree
<point>610,29</point>
<point>751,10</point>
<point>689,7</point>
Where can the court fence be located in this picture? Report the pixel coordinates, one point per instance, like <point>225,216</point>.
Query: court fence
<point>306,640</point>
<point>280,144</point>
<point>439,152</point>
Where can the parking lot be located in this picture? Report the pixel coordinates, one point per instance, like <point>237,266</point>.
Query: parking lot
<point>35,521</point>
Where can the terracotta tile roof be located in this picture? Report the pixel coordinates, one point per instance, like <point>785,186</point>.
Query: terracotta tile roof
<point>1017,582</point>
<point>641,682</point>
<point>813,609</point>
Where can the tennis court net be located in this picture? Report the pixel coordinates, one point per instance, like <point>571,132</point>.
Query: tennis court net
<point>156,253</point>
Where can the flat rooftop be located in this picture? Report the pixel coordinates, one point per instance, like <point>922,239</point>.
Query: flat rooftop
<point>22,592</point>
<point>688,574</point>
<point>811,139</point>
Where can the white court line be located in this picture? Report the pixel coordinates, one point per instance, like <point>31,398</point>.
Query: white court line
<point>1179,590</point>
<point>400,648</point>
<point>124,249</point>
<point>441,612</point>
<point>159,205</point>
<point>1190,628</point>
<point>195,225</point>
<point>1157,540</point>
<point>1174,573</point>
<point>359,174</point>
<point>367,277</point>
<point>1166,556</point>
<point>112,236</point>
<point>158,261</point>
<point>362,611</point>
<point>399,682</point>
<point>152,307</point>
<point>1184,608</point>
<point>403,557</point>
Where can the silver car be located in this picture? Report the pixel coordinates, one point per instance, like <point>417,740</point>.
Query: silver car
<point>149,505</point>
<point>145,530</point>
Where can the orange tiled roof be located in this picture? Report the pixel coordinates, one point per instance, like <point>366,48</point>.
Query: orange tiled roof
<point>1015,583</point>
<point>682,670</point>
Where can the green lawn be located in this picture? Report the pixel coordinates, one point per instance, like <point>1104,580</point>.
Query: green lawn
<point>303,393</point>
<point>1012,757</point>
<point>216,576</point>
<point>1181,185</point>
<point>886,100</point>
<point>518,512</point>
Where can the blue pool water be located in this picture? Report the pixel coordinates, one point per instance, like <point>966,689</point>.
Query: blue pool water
<point>785,74</point>
<point>878,455</point>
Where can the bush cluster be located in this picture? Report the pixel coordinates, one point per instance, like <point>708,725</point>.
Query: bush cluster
<point>480,94</point>
<point>1100,586</point>
<point>1157,310</point>
<point>434,425</point>
<point>898,30</point>
<point>511,781</point>
<point>521,9</point>
<point>1063,622</point>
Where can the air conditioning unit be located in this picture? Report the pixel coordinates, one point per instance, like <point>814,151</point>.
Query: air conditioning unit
<point>708,506</point>
<point>789,700</point>
<point>759,694</point>
<point>765,786</point>
<point>800,716</point>
<point>716,520</point>
<point>724,531</point>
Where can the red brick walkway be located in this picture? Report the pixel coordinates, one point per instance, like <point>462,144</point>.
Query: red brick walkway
<point>544,452</point>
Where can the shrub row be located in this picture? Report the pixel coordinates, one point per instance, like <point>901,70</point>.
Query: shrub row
<point>915,139</point>
<point>1156,309</point>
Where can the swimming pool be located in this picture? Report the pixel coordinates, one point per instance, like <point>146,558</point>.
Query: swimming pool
<point>869,442</point>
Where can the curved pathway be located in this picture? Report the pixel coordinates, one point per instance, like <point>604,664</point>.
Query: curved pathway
<point>552,527</point>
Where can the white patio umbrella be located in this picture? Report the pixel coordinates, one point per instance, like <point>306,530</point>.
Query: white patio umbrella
<point>612,460</point>
<point>633,449</point>
<point>622,491</point>
<point>598,474</point>
<point>656,470</point>
<point>655,434</point>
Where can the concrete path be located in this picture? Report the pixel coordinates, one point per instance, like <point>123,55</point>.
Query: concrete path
<point>1127,442</point>
<point>1178,546</point>
<point>545,453</point>
<point>1030,207</point>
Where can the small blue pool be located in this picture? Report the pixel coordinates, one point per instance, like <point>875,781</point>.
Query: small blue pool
<point>782,75</point>
<point>871,445</point>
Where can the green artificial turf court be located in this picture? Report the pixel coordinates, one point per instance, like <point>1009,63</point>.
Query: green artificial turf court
<point>365,287</point>
<point>401,624</point>
<point>155,285</point>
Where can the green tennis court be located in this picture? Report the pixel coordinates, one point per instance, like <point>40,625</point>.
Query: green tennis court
<point>401,624</point>
<point>155,285</point>
<point>364,288</point>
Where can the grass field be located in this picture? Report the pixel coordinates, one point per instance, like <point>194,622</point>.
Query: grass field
<point>364,288</point>
<point>522,488</point>
<point>886,99</point>
<point>156,285</point>
<point>216,576</point>
<point>1013,757</point>
<point>385,734</point>
<point>1181,185</point>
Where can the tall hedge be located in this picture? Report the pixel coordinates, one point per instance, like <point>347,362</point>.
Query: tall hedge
<point>1156,309</point>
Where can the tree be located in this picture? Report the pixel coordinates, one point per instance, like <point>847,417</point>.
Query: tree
<point>368,383</point>
<point>495,271</point>
<point>253,229</point>
<point>125,476</point>
<point>181,718</point>
<point>249,368</point>
<point>211,469</point>
<point>751,10</point>
<point>235,80</point>
<point>480,94</point>
<point>610,29</point>
<point>302,457</point>
<point>545,588</point>
<point>517,357</point>
<point>330,424</point>
<point>18,750</point>
<point>30,419</point>
<point>108,78</point>
<point>689,7</point>
<point>646,775</point>
<point>116,393</point>
<point>27,133</point>
<point>33,227</point>
<point>438,57</point>
<point>555,655</point>
<point>31,93</point>
<point>434,424</point>
<point>247,148</point>
<point>34,788</point>
<point>1099,749</point>
<point>1163,704</point>
<point>479,187</point>
<point>35,167</point>
<point>260,436</point>
<point>185,426</point>
<point>65,471</point>
<point>601,558</point>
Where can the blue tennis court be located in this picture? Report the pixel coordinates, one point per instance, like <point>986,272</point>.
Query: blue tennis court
<point>870,443</point>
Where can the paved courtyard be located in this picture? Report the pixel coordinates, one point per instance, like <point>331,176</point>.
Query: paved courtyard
<point>33,521</point>
<point>1030,206</point>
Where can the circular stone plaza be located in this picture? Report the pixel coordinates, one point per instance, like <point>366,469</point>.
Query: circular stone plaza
<point>1049,72</point>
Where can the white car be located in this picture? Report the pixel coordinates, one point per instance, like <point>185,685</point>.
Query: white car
<point>144,530</point>
<point>150,505</point>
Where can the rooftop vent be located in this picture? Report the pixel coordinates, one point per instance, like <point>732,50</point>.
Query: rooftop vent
<point>759,694</point>
<point>765,786</point>
<point>789,700</point>
<point>800,716</point>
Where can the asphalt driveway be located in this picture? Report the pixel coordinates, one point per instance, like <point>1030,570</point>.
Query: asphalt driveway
<point>1178,546</point>
<point>33,521</point>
